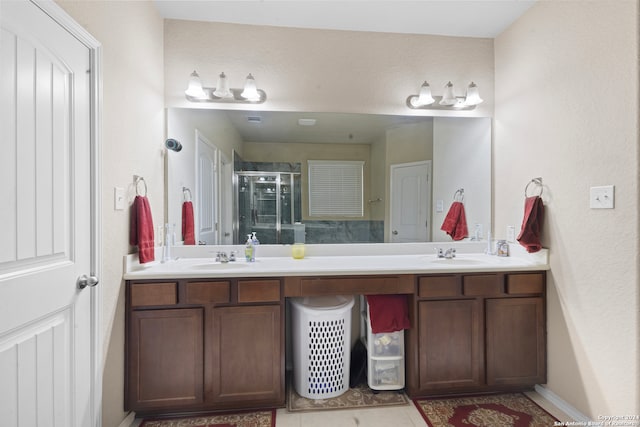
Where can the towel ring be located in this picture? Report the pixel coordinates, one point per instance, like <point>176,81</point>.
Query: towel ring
<point>458,196</point>
<point>139,179</point>
<point>185,190</point>
<point>536,181</point>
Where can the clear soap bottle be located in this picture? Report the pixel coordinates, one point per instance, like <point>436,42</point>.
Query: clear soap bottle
<point>249,249</point>
<point>256,242</point>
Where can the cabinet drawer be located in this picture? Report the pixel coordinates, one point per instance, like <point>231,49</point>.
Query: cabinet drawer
<point>439,286</point>
<point>259,291</point>
<point>529,283</point>
<point>208,292</point>
<point>482,285</point>
<point>357,285</point>
<point>145,294</point>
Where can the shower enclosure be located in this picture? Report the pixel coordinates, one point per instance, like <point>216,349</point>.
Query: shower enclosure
<point>268,203</point>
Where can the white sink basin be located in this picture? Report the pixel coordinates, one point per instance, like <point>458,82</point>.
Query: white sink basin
<point>457,261</point>
<point>217,266</point>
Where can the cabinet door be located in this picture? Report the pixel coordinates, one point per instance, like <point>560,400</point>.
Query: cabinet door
<point>515,341</point>
<point>165,358</point>
<point>450,344</point>
<point>247,355</point>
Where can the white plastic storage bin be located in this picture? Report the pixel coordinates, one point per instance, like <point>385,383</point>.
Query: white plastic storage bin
<point>385,355</point>
<point>321,333</point>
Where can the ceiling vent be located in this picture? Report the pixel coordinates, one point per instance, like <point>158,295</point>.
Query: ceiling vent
<point>306,122</point>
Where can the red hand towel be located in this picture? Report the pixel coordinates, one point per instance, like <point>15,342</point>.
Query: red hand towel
<point>388,313</point>
<point>529,236</point>
<point>455,223</point>
<point>187,224</point>
<point>141,231</point>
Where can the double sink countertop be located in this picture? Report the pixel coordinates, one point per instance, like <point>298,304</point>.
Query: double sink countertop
<point>333,259</point>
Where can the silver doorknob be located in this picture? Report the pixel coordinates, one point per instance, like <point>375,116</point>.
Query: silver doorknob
<point>394,232</point>
<point>84,281</point>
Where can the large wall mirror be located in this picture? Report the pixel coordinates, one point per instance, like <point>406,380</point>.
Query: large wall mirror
<point>249,171</point>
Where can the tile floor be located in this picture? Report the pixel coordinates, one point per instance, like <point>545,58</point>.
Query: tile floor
<point>396,416</point>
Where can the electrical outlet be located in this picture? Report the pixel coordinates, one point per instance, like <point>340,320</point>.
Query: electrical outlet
<point>601,197</point>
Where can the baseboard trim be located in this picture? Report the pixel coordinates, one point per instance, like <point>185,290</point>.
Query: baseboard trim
<point>129,420</point>
<point>561,404</point>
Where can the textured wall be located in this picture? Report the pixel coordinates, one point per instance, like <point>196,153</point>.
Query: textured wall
<point>326,70</point>
<point>132,140</point>
<point>567,111</point>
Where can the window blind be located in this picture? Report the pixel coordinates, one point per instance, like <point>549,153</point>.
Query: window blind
<point>335,188</point>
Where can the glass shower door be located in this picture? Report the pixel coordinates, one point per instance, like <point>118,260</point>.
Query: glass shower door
<point>258,209</point>
<point>269,204</point>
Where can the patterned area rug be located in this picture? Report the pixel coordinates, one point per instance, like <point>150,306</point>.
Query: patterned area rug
<point>357,397</point>
<point>236,419</point>
<point>498,410</point>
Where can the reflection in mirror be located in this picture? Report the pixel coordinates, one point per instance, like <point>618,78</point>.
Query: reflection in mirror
<point>412,168</point>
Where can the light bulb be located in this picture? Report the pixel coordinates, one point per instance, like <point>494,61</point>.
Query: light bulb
<point>424,98</point>
<point>448,98</point>
<point>222,88</point>
<point>194,88</point>
<point>473,96</point>
<point>250,91</point>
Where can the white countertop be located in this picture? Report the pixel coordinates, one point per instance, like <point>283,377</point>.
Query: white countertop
<point>324,260</point>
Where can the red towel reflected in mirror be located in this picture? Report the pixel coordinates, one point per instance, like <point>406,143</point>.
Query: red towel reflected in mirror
<point>455,223</point>
<point>188,234</point>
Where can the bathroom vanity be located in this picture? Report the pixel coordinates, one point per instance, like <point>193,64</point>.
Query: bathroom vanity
<point>206,336</point>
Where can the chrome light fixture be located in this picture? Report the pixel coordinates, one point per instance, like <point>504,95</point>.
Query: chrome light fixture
<point>448,101</point>
<point>250,94</point>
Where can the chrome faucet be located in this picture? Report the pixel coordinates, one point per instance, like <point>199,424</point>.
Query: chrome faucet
<point>222,257</point>
<point>448,254</point>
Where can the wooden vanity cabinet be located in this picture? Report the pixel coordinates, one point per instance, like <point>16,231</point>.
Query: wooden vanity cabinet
<point>167,348</point>
<point>197,345</point>
<point>477,332</point>
<point>246,355</point>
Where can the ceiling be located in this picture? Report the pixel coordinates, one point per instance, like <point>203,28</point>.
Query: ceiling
<point>467,18</point>
<point>271,126</point>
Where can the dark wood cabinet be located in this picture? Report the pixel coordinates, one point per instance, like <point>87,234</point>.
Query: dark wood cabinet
<point>246,355</point>
<point>219,344</point>
<point>515,345</point>
<point>204,345</point>
<point>167,348</point>
<point>450,337</point>
<point>477,332</point>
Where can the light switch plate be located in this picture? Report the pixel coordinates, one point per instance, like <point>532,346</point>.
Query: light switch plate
<point>439,206</point>
<point>118,198</point>
<point>601,197</point>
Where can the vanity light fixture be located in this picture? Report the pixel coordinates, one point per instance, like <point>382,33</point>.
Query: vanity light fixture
<point>250,94</point>
<point>448,101</point>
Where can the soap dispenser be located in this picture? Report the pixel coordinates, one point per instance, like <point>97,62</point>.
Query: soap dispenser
<point>249,249</point>
<point>256,242</point>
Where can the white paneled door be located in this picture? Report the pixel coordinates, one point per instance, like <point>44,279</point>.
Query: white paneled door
<point>410,202</point>
<point>207,189</point>
<point>46,353</point>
